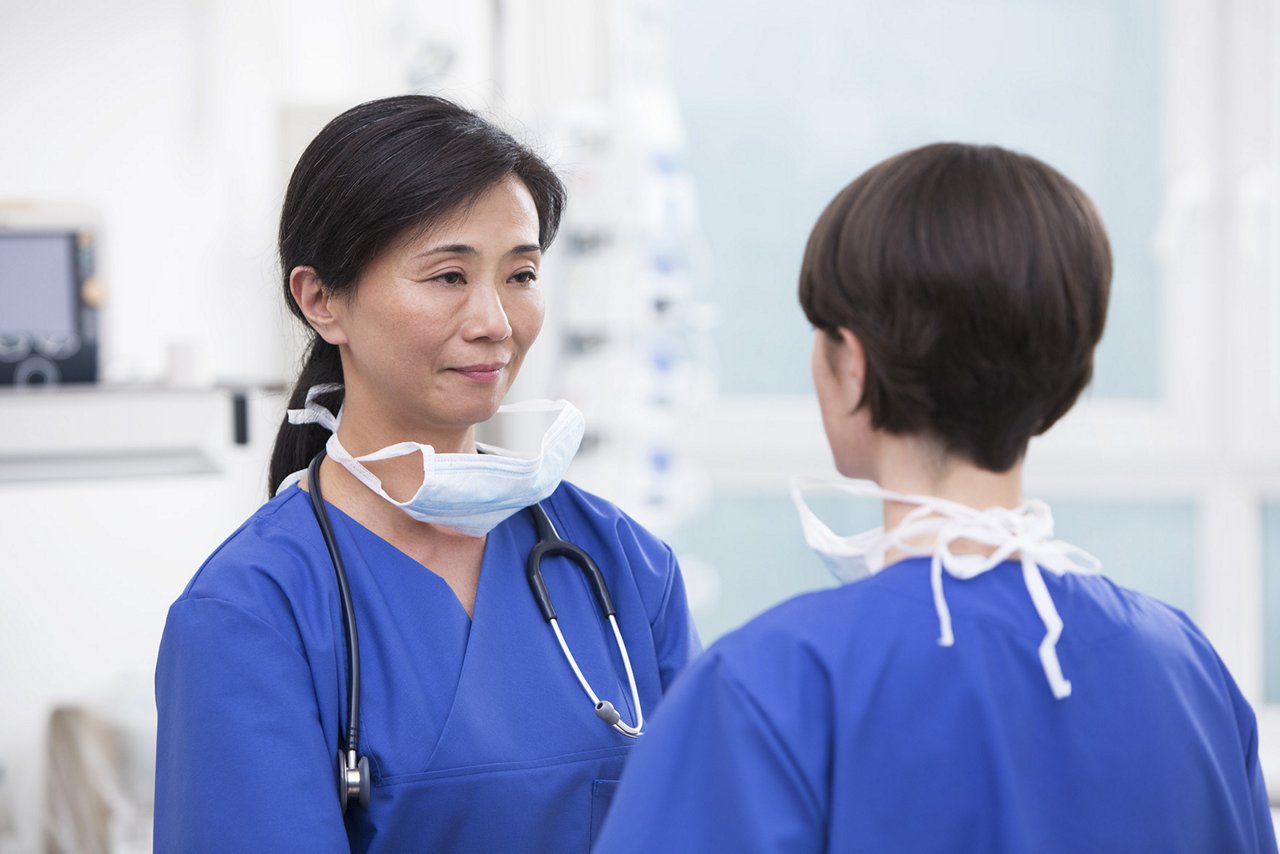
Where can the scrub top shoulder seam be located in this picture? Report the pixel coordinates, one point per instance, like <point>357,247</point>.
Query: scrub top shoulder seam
<point>187,599</point>
<point>668,586</point>
<point>265,513</point>
<point>634,528</point>
<point>1129,626</point>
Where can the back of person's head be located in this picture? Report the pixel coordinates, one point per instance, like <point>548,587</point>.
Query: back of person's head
<point>976,280</point>
<point>380,172</point>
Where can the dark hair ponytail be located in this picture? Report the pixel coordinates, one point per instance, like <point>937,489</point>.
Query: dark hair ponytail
<point>372,174</point>
<point>296,444</point>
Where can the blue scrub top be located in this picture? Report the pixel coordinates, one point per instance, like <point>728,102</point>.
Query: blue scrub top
<point>836,722</point>
<point>479,736</point>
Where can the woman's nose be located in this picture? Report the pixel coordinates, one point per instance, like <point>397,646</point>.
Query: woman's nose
<point>487,318</point>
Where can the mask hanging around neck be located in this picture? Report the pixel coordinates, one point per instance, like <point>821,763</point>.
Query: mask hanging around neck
<point>467,493</point>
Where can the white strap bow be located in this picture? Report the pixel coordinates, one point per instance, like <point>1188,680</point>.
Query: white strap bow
<point>1026,532</point>
<point>314,413</point>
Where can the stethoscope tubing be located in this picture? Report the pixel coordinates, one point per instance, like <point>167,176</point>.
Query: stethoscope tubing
<point>348,608</point>
<point>551,544</point>
<point>353,769</point>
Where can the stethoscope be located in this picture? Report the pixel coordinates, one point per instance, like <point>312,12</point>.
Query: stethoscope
<point>353,769</point>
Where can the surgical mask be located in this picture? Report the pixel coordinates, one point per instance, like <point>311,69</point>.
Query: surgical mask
<point>933,528</point>
<point>468,493</point>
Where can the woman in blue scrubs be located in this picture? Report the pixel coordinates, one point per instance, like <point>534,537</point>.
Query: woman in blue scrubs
<point>411,239</point>
<point>977,685</point>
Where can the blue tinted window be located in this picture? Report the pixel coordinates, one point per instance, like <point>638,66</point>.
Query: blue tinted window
<point>1147,545</point>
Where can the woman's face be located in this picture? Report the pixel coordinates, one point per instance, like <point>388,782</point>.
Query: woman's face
<point>437,327</point>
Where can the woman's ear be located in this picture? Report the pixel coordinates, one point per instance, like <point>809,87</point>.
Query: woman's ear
<point>851,365</point>
<point>314,299</point>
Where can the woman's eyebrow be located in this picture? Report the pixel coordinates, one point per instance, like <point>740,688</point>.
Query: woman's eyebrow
<point>449,249</point>
<point>464,249</point>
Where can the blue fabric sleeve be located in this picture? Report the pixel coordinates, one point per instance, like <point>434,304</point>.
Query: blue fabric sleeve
<point>1261,803</point>
<point>242,762</point>
<point>1247,727</point>
<point>1247,723</point>
<point>713,775</point>
<point>675,637</point>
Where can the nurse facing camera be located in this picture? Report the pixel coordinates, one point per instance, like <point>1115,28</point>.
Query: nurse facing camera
<point>975,685</point>
<point>420,642</point>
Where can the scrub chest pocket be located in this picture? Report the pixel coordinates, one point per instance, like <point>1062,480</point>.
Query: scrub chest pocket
<point>489,809</point>
<point>602,792</point>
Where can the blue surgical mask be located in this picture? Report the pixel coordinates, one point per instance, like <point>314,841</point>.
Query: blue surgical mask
<point>467,493</point>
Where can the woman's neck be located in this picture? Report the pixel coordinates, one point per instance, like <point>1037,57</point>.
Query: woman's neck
<point>453,556</point>
<point>400,477</point>
<point>369,423</point>
<point>913,466</point>
<point>365,429</point>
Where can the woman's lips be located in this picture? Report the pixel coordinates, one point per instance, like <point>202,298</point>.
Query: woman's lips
<point>486,373</point>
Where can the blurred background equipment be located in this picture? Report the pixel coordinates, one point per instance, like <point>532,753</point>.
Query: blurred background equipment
<point>49,300</point>
<point>100,783</point>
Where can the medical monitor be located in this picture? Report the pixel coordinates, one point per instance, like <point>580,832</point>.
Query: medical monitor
<point>48,307</point>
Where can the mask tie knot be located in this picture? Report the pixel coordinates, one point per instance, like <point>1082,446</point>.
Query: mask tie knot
<point>314,413</point>
<point>933,527</point>
<point>1026,532</point>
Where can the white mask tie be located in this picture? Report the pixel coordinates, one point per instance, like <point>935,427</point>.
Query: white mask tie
<point>312,412</point>
<point>1026,531</point>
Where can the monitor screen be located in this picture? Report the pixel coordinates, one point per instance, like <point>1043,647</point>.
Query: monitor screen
<point>37,283</point>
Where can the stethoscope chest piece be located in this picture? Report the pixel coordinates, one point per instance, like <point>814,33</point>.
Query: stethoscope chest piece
<point>353,779</point>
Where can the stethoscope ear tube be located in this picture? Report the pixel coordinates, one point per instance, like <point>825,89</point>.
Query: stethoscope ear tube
<point>533,572</point>
<point>550,544</point>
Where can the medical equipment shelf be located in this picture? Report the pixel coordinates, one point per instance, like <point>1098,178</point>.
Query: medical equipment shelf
<point>93,432</point>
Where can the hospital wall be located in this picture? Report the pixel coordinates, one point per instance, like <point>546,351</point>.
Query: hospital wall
<point>175,124</point>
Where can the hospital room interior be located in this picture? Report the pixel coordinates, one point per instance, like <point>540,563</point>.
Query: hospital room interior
<point>146,357</point>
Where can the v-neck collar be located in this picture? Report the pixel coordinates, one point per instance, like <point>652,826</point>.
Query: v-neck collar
<point>383,542</point>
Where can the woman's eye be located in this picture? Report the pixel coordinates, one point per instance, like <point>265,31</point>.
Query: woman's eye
<point>453,277</point>
<point>526,277</point>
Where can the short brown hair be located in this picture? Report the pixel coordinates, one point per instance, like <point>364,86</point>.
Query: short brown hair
<point>977,280</point>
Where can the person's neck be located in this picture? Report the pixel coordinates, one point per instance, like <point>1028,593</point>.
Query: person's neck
<point>911,466</point>
<point>368,424</point>
<point>362,432</point>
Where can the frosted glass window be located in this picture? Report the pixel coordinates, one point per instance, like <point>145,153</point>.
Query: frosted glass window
<point>1271,585</point>
<point>746,552</point>
<point>1147,545</point>
<point>779,119</point>
<point>753,550</point>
